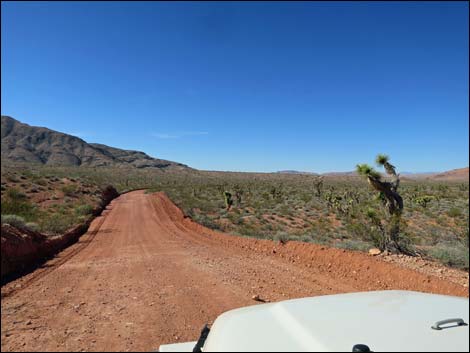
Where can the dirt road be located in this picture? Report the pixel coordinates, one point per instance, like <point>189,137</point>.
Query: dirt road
<point>144,275</point>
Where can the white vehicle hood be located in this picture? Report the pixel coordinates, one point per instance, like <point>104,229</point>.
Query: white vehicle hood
<point>384,321</point>
<point>397,321</point>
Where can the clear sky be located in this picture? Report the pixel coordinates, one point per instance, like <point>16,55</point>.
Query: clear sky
<point>267,86</point>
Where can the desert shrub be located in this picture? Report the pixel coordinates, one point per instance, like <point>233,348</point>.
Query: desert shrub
<point>15,194</point>
<point>69,190</point>
<point>206,222</point>
<point>41,182</point>
<point>249,230</point>
<point>356,245</point>
<point>57,223</point>
<point>16,203</point>
<point>12,178</point>
<point>32,225</point>
<point>13,220</point>
<point>281,236</point>
<point>455,255</point>
<point>305,238</point>
<point>454,212</point>
<point>83,210</point>
<point>239,220</point>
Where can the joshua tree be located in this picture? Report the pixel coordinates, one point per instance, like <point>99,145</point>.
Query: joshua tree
<point>228,200</point>
<point>238,194</point>
<point>329,198</point>
<point>390,198</point>
<point>276,193</point>
<point>318,184</point>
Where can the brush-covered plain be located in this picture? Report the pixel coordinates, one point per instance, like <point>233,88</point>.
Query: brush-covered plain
<point>334,210</point>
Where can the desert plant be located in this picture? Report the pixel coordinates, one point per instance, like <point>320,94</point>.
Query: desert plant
<point>281,237</point>
<point>276,192</point>
<point>57,223</point>
<point>454,212</point>
<point>238,194</point>
<point>69,190</point>
<point>391,199</point>
<point>32,226</point>
<point>15,195</point>
<point>16,202</point>
<point>455,255</point>
<point>318,184</point>
<point>228,200</point>
<point>13,220</point>
<point>424,200</point>
<point>83,210</point>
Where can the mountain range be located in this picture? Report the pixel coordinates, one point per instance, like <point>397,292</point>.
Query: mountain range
<point>31,144</point>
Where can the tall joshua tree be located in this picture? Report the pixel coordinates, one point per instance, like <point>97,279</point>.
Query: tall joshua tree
<point>318,184</point>
<point>228,200</point>
<point>388,193</point>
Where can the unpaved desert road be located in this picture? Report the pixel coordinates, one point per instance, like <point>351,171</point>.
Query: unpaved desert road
<point>144,275</point>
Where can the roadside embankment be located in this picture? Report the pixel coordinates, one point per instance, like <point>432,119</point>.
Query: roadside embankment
<point>23,250</point>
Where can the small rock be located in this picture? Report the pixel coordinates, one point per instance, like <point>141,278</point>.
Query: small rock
<point>29,322</point>
<point>374,252</point>
<point>256,297</point>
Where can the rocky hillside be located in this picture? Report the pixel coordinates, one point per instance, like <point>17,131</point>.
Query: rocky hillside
<point>461,174</point>
<point>31,144</point>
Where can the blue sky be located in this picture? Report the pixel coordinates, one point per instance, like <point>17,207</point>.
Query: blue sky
<point>246,86</point>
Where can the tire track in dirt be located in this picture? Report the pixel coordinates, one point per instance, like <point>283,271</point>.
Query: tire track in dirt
<point>151,276</point>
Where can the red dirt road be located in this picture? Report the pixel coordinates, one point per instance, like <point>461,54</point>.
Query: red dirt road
<point>144,275</point>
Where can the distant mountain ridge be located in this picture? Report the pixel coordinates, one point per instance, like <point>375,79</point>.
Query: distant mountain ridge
<point>295,172</point>
<point>24,143</point>
<point>461,174</point>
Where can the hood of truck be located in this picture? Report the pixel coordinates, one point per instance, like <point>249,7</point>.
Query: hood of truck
<point>383,320</point>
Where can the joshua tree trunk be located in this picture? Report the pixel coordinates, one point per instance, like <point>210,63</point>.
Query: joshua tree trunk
<point>393,199</point>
